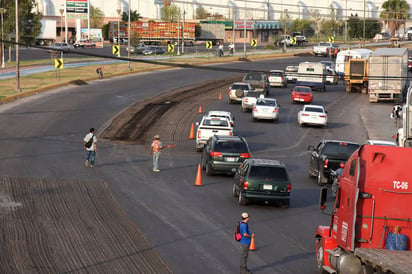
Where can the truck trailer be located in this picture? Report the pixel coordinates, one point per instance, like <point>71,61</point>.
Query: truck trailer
<point>47,35</point>
<point>153,32</point>
<point>370,228</point>
<point>388,72</point>
<point>212,32</point>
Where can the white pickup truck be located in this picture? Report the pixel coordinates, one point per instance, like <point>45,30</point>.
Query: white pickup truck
<point>324,48</point>
<point>210,126</point>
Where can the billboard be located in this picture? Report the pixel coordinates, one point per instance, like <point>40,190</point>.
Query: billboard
<point>95,36</point>
<point>77,8</point>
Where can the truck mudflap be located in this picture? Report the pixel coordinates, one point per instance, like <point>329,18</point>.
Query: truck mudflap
<point>395,261</point>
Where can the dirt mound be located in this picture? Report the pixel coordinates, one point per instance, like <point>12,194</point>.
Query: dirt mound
<point>169,114</point>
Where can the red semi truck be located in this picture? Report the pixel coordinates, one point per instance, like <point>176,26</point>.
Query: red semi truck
<point>373,207</point>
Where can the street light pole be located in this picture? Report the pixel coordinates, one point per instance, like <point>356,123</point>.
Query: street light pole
<point>364,7</point>
<point>3,65</point>
<point>17,48</point>
<point>128,39</point>
<point>244,33</point>
<point>183,32</point>
<point>118,26</point>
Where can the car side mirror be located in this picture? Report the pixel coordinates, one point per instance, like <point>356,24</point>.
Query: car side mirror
<point>326,111</point>
<point>311,148</point>
<point>197,123</point>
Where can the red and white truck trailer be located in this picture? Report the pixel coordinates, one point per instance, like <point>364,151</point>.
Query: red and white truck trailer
<point>371,222</point>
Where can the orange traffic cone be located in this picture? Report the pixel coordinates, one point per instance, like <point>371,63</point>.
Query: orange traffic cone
<point>200,109</point>
<point>198,181</point>
<point>252,244</point>
<point>192,132</point>
<point>220,96</point>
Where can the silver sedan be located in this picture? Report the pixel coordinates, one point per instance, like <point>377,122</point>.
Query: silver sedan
<point>266,108</point>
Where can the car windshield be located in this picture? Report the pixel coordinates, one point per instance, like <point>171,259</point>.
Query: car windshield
<point>313,109</point>
<point>253,94</point>
<point>239,147</point>
<point>266,103</point>
<point>268,172</point>
<point>254,76</point>
<point>215,122</point>
<point>341,148</point>
<point>299,89</point>
<point>275,74</point>
<point>324,44</point>
<point>242,87</point>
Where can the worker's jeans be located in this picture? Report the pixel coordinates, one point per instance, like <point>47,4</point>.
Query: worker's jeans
<point>156,156</point>
<point>90,156</point>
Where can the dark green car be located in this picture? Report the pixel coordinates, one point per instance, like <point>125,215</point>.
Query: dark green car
<point>262,180</point>
<point>224,154</point>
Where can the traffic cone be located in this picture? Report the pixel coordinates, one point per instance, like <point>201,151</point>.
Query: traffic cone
<point>220,96</point>
<point>198,181</point>
<point>192,132</point>
<point>200,109</point>
<point>252,244</point>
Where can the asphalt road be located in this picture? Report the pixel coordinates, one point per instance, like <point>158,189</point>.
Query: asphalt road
<point>190,227</point>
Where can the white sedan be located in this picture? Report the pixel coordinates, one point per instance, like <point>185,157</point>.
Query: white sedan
<point>266,108</point>
<point>313,115</point>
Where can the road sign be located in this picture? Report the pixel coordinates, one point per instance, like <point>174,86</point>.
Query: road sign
<point>58,63</point>
<point>331,39</point>
<point>116,50</point>
<point>253,43</point>
<point>209,44</point>
<point>293,41</point>
<point>170,48</point>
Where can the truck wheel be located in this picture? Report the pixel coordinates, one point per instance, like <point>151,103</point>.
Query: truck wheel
<point>234,191</point>
<point>242,199</point>
<point>319,257</point>
<point>209,170</point>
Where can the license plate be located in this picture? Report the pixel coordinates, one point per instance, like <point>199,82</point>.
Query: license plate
<point>265,110</point>
<point>301,100</point>
<point>230,159</point>
<point>268,187</point>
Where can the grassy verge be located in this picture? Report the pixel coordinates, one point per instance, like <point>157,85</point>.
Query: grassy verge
<point>39,82</point>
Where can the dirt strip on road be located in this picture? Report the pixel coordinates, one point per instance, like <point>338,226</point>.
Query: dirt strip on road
<point>65,226</point>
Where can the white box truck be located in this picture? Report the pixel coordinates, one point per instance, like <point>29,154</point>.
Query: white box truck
<point>388,72</point>
<point>313,75</point>
<point>47,35</point>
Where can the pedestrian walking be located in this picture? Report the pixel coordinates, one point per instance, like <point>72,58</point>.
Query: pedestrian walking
<point>90,145</point>
<point>231,47</point>
<point>220,50</point>
<point>245,242</point>
<point>155,149</point>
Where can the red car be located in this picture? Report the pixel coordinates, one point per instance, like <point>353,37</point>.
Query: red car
<point>302,94</point>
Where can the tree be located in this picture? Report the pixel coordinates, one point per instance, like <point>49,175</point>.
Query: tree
<point>355,27</point>
<point>96,17</point>
<point>301,25</point>
<point>134,16</point>
<point>170,13</point>
<point>285,21</point>
<point>331,24</point>
<point>29,22</point>
<point>317,20</point>
<point>201,13</point>
<point>394,13</point>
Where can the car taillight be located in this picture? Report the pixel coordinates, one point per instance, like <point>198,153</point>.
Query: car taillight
<point>322,116</point>
<point>230,133</point>
<point>199,134</point>
<point>244,155</point>
<point>246,100</point>
<point>305,114</point>
<point>289,189</point>
<point>275,110</point>
<point>254,109</point>
<point>325,163</point>
<point>215,154</point>
<point>245,185</point>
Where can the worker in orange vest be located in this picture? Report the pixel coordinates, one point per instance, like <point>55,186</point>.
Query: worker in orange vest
<point>155,150</point>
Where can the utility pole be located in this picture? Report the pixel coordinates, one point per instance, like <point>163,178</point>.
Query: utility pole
<point>244,33</point>
<point>3,64</point>
<point>17,48</point>
<point>128,39</point>
<point>183,32</point>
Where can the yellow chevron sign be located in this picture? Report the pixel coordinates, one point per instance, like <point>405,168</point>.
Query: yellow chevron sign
<point>170,48</point>
<point>253,43</point>
<point>209,44</point>
<point>116,50</point>
<point>58,63</point>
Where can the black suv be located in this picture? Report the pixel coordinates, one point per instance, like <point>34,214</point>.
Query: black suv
<point>262,180</point>
<point>224,154</point>
<point>327,156</point>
